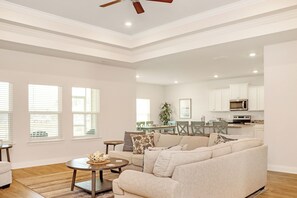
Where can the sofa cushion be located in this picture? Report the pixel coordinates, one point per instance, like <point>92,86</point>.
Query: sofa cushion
<point>168,160</point>
<point>4,167</point>
<point>221,149</point>
<point>121,155</point>
<point>142,142</point>
<point>194,141</point>
<point>156,137</point>
<point>150,156</point>
<point>128,144</point>
<point>244,144</point>
<point>168,140</point>
<point>137,160</point>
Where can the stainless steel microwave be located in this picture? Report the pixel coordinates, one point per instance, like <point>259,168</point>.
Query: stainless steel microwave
<point>239,105</point>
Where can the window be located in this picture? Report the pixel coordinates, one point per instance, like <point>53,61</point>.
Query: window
<point>85,108</point>
<point>44,108</point>
<point>5,111</point>
<point>143,110</point>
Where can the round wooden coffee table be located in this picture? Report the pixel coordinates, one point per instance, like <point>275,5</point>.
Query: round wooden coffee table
<point>94,185</point>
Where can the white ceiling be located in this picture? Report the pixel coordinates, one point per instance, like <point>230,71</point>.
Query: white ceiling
<point>227,60</point>
<point>114,17</point>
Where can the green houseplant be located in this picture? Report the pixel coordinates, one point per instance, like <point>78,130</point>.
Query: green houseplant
<point>165,113</point>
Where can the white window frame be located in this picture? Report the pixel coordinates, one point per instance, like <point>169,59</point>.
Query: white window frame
<point>137,110</point>
<point>58,113</point>
<point>85,113</point>
<point>9,113</point>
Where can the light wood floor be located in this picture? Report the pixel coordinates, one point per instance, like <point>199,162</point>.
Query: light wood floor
<point>280,185</point>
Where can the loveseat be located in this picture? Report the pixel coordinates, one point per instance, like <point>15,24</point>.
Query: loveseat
<point>5,174</point>
<point>234,169</point>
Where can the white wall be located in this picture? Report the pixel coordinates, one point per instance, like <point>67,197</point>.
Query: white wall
<point>156,94</point>
<point>199,93</point>
<point>280,66</point>
<point>117,111</point>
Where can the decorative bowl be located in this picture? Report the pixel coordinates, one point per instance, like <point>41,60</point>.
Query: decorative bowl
<point>98,157</point>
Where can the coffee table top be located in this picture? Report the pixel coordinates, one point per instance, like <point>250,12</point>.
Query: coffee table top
<point>81,164</point>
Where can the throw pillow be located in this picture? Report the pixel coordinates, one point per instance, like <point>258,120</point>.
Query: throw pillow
<point>222,139</point>
<point>168,160</point>
<point>142,142</point>
<point>128,144</point>
<point>152,153</point>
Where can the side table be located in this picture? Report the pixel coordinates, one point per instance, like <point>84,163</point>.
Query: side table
<point>6,147</point>
<point>112,142</point>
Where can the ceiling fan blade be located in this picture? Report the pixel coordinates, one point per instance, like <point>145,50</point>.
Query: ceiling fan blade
<point>163,1</point>
<point>110,3</point>
<point>138,7</point>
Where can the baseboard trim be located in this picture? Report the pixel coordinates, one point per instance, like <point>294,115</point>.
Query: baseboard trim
<point>283,169</point>
<point>27,164</point>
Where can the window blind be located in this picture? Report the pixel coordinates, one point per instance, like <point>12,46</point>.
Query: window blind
<point>5,111</point>
<point>44,108</point>
<point>142,110</point>
<point>85,108</point>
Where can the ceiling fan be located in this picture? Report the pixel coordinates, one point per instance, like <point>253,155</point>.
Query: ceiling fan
<point>137,5</point>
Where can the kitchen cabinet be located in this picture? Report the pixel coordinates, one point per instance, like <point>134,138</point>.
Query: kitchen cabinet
<point>256,98</point>
<point>259,131</point>
<point>219,100</point>
<point>239,91</point>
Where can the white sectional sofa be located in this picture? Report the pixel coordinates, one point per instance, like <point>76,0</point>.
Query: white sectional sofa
<point>5,174</point>
<point>229,170</point>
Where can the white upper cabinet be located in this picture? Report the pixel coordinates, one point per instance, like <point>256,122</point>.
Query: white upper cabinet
<point>219,100</point>
<point>256,98</point>
<point>225,100</point>
<point>239,91</point>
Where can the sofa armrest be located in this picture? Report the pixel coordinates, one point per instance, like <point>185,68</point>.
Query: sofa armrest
<point>147,185</point>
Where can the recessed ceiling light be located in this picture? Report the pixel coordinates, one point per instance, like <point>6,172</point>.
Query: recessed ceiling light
<point>255,71</point>
<point>253,54</point>
<point>128,24</point>
<point>175,82</point>
<point>215,76</point>
<point>137,76</point>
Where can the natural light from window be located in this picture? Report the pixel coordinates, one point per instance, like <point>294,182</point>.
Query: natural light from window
<point>85,108</point>
<point>44,109</point>
<point>5,111</point>
<point>142,110</point>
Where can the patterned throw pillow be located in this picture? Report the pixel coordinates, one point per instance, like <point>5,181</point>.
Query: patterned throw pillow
<point>222,139</point>
<point>128,144</point>
<point>142,142</point>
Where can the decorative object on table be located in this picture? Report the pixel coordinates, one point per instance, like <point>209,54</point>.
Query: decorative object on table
<point>98,158</point>
<point>185,108</point>
<point>165,113</point>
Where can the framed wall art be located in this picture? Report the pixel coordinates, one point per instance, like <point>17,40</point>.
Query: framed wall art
<point>185,108</point>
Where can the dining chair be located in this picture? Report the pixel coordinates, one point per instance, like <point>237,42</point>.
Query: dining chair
<point>220,127</point>
<point>149,123</point>
<point>170,131</point>
<point>198,128</point>
<point>182,127</point>
<point>139,125</point>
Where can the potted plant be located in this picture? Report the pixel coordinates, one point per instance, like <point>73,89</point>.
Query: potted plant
<point>165,113</point>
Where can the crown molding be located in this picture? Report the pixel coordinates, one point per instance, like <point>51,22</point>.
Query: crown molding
<point>36,19</point>
<point>234,22</point>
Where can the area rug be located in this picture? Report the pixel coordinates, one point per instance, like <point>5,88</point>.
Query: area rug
<point>58,185</point>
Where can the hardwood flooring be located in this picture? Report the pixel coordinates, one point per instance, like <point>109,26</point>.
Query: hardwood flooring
<point>280,185</point>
